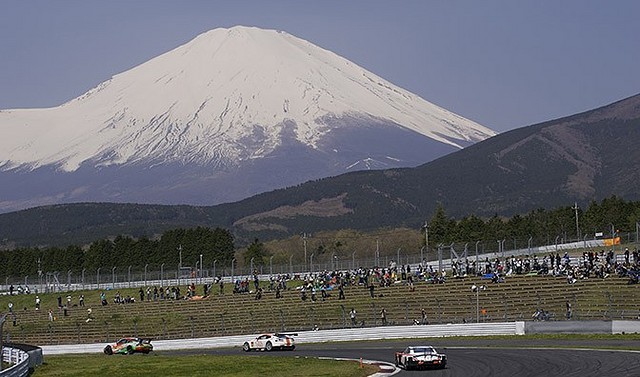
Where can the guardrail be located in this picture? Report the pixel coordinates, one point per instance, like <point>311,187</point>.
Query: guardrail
<point>19,360</point>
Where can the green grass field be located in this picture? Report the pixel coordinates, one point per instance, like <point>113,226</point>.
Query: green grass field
<point>196,365</point>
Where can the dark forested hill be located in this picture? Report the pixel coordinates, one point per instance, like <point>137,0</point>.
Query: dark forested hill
<point>585,157</point>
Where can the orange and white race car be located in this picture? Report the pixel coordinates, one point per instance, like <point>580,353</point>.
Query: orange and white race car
<point>420,357</point>
<point>270,342</point>
<point>129,346</point>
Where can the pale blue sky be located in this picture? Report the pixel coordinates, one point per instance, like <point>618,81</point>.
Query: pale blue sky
<point>504,64</point>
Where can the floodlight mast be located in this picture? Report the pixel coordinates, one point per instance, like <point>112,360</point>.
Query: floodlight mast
<point>576,208</point>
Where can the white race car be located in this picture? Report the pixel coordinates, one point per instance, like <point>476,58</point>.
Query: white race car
<point>420,357</point>
<point>269,342</point>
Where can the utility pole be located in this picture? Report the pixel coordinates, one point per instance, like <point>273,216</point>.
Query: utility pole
<point>304,239</point>
<point>576,208</point>
<point>4,316</point>
<point>426,235</point>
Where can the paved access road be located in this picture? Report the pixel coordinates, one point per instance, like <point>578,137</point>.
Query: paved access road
<point>487,357</point>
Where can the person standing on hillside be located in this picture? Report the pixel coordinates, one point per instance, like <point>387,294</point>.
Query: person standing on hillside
<point>341,291</point>
<point>352,315</point>
<point>37,302</point>
<point>383,316</point>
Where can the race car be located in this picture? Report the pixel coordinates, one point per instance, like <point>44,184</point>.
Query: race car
<point>129,346</point>
<point>269,342</point>
<point>420,357</point>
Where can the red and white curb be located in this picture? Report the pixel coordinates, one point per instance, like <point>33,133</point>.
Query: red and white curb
<point>386,369</point>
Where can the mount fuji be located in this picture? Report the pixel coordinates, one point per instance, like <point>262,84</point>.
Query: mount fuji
<point>232,113</point>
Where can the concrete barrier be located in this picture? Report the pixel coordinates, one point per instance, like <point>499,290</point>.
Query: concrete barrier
<point>386,332</point>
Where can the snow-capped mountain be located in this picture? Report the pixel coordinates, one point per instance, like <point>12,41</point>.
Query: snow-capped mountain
<point>229,114</point>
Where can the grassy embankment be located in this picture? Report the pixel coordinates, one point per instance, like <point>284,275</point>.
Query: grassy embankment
<point>197,365</point>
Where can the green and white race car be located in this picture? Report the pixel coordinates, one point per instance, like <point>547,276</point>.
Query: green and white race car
<point>129,346</point>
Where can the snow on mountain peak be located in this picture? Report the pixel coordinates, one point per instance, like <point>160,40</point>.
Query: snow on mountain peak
<point>228,95</point>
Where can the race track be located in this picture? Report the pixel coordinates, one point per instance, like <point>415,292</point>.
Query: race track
<point>484,357</point>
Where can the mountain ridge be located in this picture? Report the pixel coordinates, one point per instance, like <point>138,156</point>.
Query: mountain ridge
<point>218,106</point>
<point>536,169</point>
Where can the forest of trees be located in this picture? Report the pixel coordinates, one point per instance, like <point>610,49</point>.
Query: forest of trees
<point>213,244</point>
<point>543,226</point>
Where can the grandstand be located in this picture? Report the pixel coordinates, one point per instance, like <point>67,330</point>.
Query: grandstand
<point>517,298</point>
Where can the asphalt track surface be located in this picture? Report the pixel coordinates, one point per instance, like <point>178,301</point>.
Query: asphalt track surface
<point>470,358</point>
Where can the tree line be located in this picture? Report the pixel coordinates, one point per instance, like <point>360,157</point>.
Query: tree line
<point>124,251</point>
<point>543,227</point>
<point>612,215</point>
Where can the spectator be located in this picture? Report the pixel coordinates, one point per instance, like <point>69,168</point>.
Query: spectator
<point>383,316</point>
<point>50,315</point>
<point>37,302</point>
<point>81,301</point>
<point>352,315</point>
<point>10,307</point>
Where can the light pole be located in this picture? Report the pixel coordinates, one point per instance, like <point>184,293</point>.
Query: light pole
<point>271,264</point>
<point>2,318</point>
<point>251,268</point>
<point>576,208</point>
<point>129,276</point>
<point>180,257</point>
<point>145,274</point>
<point>98,277</point>
<point>200,274</point>
<point>311,262</point>
<point>113,277</point>
<point>353,260</point>
<point>304,239</point>
<point>613,240</point>
<point>233,261</point>
<point>214,267</point>
<point>477,289</point>
<point>477,262</point>
<point>426,235</point>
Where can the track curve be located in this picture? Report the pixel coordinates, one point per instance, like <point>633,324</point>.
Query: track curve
<point>473,359</point>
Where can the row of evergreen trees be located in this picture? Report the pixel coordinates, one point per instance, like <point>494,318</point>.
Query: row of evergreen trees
<point>123,251</point>
<point>611,215</point>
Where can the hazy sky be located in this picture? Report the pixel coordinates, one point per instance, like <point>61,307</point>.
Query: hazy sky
<point>504,64</point>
